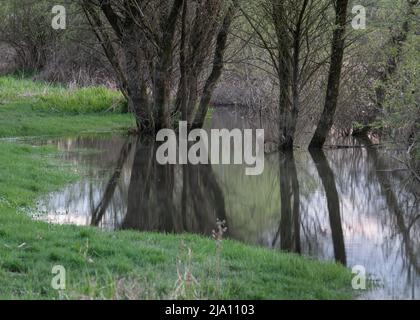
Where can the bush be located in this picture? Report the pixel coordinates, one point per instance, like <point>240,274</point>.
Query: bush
<point>401,114</point>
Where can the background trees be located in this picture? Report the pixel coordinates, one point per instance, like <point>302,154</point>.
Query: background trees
<point>29,44</point>
<point>26,29</point>
<point>283,60</point>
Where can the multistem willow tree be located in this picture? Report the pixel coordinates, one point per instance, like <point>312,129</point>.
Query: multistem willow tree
<point>334,76</point>
<point>291,33</point>
<point>143,40</point>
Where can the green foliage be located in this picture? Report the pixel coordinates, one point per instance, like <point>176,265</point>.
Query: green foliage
<point>401,112</point>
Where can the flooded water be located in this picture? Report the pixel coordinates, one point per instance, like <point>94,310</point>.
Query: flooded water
<point>348,205</point>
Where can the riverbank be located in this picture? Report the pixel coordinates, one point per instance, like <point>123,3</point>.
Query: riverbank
<point>124,264</point>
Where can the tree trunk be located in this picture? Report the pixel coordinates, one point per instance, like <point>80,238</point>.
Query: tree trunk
<point>161,93</point>
<point>295,83</point>
<point>163,67</point>
<point>218,64</point>
<point>297,36</point>
<point>138,99</point>
<point>192,97</point>
<point>182,92</point>
<point>333,86</point>
<point>285,77</point>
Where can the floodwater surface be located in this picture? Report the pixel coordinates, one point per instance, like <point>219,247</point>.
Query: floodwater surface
<point>354,205</point>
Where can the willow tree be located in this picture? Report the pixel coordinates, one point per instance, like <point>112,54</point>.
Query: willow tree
<point>144,39</point>
<point>334,75</point>
<point>291,34</point>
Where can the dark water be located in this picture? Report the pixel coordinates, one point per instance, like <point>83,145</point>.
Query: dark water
<point>345,205</point>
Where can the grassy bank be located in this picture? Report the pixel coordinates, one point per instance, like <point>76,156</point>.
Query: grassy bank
<point>29,108</point>
<point>129,264</point>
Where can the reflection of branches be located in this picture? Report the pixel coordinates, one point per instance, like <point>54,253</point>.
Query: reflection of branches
<point>353,176</point>
<point>392,203</point>
<point>101,208</point>
<point>172,198</point>
<point>407,164</point>
<point>289,228</point>
<point>333,203</point>
<point>205,196</point>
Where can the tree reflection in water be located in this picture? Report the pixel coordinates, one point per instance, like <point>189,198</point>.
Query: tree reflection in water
<point>159,200</point>
<point>333,203</point>
<point>289,228</point>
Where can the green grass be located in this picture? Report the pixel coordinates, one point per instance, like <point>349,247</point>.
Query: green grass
<point>25,122</point>
<point>29,108</point>
<point>126,264</point>
<point>43,96</point>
